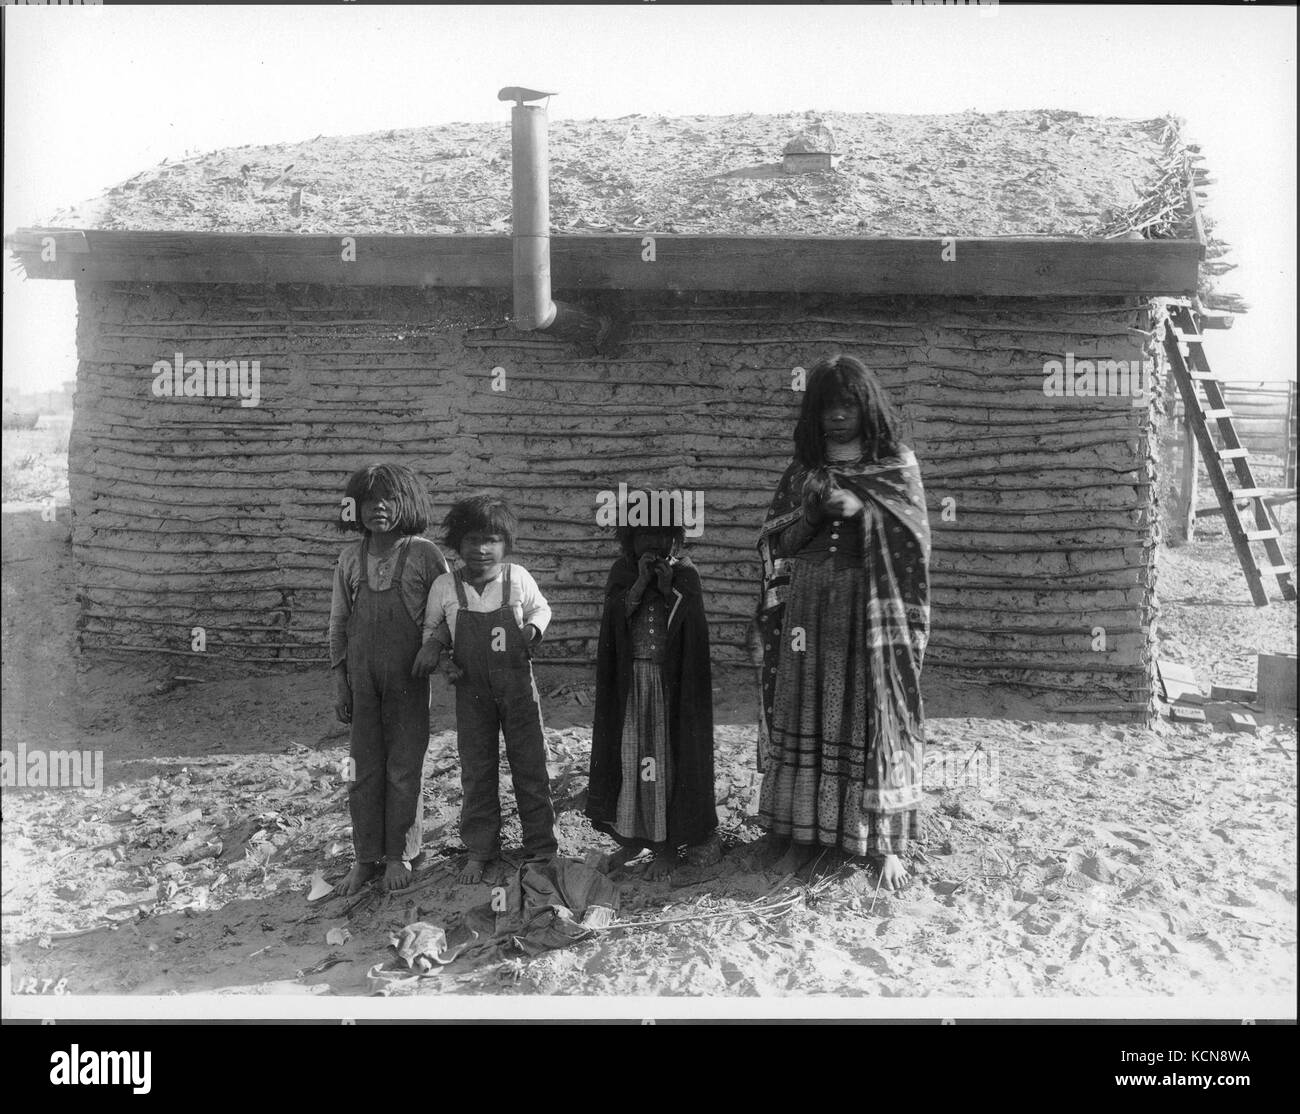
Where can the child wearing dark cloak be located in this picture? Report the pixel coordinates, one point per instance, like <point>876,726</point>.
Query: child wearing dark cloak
<point>651,780</point>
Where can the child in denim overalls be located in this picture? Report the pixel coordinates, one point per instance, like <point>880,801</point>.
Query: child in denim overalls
<point>376,614</point>
<point>496,616</point>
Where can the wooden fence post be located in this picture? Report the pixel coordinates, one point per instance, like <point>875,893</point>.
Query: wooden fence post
<point>1288,479</point>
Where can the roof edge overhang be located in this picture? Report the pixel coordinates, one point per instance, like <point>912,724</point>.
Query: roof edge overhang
<point>1025,266</point>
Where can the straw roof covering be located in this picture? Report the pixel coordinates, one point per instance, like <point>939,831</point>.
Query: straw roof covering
<point>970,174</point>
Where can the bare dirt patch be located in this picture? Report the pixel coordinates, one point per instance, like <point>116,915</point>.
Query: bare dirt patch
<point>1060,858</point>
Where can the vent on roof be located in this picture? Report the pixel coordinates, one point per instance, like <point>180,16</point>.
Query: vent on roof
<point>812,149</point>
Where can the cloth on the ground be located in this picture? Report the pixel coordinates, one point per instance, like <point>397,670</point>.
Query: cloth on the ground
<point>421,945</point>
<point>547,905</point>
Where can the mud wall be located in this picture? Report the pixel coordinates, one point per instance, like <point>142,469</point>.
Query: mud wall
<point>197,511</point>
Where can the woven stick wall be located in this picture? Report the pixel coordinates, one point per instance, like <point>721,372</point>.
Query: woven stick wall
<point>198,512</point>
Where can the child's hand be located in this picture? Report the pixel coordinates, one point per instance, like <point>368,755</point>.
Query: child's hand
<point>343,699</point>
<point>842,504</point>
<point>451,671</point>
<point>532,637</point>
<point>426,661</point>
<point>645,569</point>
<point>816,486</point>
<point>664,573</point>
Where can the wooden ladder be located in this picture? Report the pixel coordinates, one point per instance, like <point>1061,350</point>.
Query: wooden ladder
<point>1182,331</point>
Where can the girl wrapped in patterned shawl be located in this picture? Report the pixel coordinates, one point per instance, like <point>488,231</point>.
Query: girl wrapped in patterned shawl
<point>842,626</point>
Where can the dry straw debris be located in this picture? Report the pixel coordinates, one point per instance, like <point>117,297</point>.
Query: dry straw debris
<point>1043,172</point>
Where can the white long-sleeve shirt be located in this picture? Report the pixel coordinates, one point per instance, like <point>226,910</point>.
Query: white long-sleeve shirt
<point>526,600</point>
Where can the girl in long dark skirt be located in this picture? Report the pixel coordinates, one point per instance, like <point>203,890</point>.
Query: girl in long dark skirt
<point>376,614</point>
<point>651,781</point>
<point>843,622</point>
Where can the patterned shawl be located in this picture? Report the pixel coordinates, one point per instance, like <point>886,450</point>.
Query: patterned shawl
<point>896,557</point>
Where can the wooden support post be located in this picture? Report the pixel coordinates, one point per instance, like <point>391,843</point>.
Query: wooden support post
<point>1189,481</point>
<point>1289,435</point>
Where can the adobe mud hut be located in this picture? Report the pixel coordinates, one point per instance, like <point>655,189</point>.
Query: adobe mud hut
<point>370,279</point>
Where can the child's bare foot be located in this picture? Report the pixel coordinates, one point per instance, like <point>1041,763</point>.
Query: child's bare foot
<point>706,853</point>
<point>893,875</point>
<point>397,875</point>
<point>661,866</point>
<point>358,876</point>
<point>472,873</point>
<point>621,858</point>
<point>794,859</point>
<point>770,848</point>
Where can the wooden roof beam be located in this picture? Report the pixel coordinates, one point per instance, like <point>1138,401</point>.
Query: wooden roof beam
<point>1012,266</point>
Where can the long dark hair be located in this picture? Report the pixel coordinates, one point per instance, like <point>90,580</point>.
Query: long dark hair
<point>848,380</point>
<point>627,538</point>
<point>396,483</point>
<point>480,514</point>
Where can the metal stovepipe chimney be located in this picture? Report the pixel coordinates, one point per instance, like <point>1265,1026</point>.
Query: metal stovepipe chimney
<point>531,199</point>
<point>534,310</point>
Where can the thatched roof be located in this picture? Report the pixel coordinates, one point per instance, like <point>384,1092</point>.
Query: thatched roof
<point>965,174</point>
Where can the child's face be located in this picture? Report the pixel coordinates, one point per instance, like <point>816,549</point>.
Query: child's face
<point>481,552</point>
<point>658,542</point>
<point>841,421</point>
<point>378,512</point>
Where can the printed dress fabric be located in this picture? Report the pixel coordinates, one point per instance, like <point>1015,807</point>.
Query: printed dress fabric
<point>841,740</point>
<point>642,812</point>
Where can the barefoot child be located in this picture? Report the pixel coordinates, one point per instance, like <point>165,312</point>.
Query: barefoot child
<point>380,585</point>
<point>844,621</point>
<point>495,616</point>
<point>651,783</point>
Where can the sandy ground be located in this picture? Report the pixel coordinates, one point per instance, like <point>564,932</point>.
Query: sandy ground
<point>1060,859</point>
